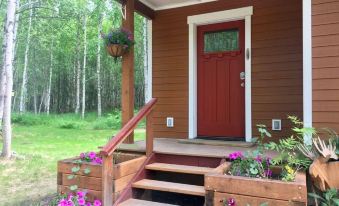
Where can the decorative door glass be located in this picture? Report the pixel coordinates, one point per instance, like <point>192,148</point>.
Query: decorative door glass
<point>221,41</point>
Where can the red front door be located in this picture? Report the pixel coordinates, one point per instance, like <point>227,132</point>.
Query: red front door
<point>221,87</point>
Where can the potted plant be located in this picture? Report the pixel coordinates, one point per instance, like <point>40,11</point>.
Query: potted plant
<point>254,178</point>
<point>118,42</point>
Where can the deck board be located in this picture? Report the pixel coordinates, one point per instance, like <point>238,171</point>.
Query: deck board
<point>170,187</point>
<point>135,202</point>
<point>179,168</point>
<point>174,147</point>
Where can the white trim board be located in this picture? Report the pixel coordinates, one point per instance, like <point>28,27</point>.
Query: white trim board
<point>149,60</point>
<point>212,18</point>
<point>175,5</point>
<point>307,67</point>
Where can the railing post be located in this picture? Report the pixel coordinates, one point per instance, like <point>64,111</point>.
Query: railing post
<point>149,134</point>
<point>107,180</point>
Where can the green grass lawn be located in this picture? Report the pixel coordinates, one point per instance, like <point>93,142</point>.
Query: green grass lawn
<point>31,178</point>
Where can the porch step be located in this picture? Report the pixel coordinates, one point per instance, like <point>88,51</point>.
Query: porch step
<point>170,187</point>
<point>135,202</point>
<point>179,168</point>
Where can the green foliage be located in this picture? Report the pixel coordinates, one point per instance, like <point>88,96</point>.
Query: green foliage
<point>111,121</point>
<point>71,125</point>
<point>263,134</point>
<point>288,153</point>
<point>329,198</point>
<point>119,36</point>
<point>28,119</point>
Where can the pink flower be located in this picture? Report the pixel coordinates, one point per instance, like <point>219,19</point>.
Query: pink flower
<point>97,203</point>
<point>81,201</point>
<point>88,204</point>
<point>80,194</point>
<point>235,155</point>
<point>63,202</point>
<point>98,160</point>
<point>92,155</point>
<point>82,155</point>
<point>231,202</point>
<point>258,159</point>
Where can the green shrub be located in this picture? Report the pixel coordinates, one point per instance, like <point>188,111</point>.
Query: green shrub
<point>111,121</point>
<point>71,125</point>
<point>29,119</point>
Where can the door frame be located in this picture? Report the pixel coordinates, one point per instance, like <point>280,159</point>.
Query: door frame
<point>244,13</point>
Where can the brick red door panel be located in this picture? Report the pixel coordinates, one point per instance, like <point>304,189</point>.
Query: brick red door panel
<point>221,95</point>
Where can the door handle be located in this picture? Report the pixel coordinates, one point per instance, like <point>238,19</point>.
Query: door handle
<point>242,75</point>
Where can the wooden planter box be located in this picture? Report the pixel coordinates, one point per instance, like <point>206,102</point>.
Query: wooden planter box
<point>325,175</point>
<point>253,191</point>
<point>125,167</point>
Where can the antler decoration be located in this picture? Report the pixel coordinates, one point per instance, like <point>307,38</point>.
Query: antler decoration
<point>327,151</point>
<point>308,152</point>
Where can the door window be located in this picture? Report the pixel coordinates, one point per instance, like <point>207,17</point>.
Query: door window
<point>221,41</point>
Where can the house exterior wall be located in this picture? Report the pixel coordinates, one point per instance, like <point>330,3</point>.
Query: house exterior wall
<point>325,42</point>
<point>276,63</point>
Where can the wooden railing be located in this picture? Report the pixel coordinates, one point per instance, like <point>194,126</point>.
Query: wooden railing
<point>108,150</point>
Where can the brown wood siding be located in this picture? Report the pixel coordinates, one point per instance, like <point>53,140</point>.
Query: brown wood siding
<point>276,62</point>
<point>325,32</point>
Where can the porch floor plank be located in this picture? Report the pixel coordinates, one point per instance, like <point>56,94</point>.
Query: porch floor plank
<point>179,168</point>
<point>135,202</point>
<point>170,187</point>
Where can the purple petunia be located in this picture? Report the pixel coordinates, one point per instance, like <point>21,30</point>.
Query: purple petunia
<point>80,194</point>
<point>97,203</point>
<point>235,155</point>
<point>268,173</point>
<point>92,155</point>
<point>231,202</point>
<point>258,159</point>
<point>81,201</point>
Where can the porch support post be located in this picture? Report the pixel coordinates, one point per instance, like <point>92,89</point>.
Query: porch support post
<point>127,79</point>
<point>307,67</point>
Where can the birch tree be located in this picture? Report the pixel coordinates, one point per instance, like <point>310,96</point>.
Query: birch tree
<point>78,72</point>
<point>48,101</point>
<point>84,70</point>
<point>99,64</point>
<point>23,94</point>
<point>8,62</point>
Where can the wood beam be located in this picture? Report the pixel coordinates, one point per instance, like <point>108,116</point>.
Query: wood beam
<point>141,9</point>
<point>127,96</point>
<point>144,10</point>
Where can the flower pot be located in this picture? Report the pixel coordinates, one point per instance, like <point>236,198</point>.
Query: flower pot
<point>116,50</point>
<point>221,188</point>
<point>92,182</point>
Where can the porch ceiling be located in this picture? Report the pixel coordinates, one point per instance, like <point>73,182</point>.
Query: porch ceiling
<point>167,4</point>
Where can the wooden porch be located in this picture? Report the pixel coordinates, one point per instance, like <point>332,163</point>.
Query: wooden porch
<point>203,148</point>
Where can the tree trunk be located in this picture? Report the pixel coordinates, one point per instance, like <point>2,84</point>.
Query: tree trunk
<point>23,94</point>
<point>9,34</point>
<point>99,64</point>
<point>77,101</point>
<point>84,70</point>
<point>48,102</point>
<point>3,77</point>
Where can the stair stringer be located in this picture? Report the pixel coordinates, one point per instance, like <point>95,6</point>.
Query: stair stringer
<point>127,193</point>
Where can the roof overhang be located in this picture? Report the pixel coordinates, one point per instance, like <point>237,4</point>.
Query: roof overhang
<point>169,4</point>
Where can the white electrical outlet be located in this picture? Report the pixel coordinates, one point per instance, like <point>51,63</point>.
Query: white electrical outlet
<point>170,122</point>
<point>276,124</point>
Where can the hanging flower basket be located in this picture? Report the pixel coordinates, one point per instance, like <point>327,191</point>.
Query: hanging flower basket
<point>116,50</point>
<point>118,42</point>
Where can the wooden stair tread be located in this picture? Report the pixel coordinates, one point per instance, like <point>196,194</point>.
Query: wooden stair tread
<point>170,187</point>
<point>179,168</point>
<point>135,202</point>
